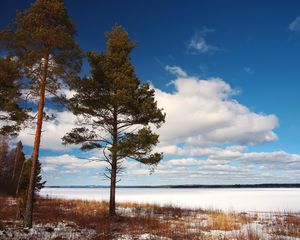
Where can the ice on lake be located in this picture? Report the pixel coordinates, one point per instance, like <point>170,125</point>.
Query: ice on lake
<point>263,199</point>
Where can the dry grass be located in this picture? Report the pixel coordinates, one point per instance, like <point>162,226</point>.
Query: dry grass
<point>136,219</point>
<point>287,225</point>
<point>8,209</point>
<point>225,222</point>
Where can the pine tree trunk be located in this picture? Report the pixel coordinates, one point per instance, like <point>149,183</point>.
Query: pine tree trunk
<point>113,179</point>
<point>36,147</point>
<point>17,158</point>
<point>112,200</point>
<point>19,180</point>
<point>3,163</point>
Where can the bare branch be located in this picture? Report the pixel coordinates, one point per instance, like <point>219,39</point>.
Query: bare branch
<point>106,176</point>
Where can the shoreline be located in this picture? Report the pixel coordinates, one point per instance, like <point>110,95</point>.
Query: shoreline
<point>224,199</point>
<point>229,186</point>
<point>90,220</point>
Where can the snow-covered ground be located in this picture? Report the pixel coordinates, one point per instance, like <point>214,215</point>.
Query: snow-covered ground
<point>62,230</point>
<point>279,199</point>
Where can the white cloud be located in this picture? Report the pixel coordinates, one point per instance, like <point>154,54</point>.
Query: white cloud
<point>230,165</point>
<point>199,112</point>
<point>203,112</point>
<point>252,167</point>
<point>67,168</point>
<point>49,168</point>
<point>206,132</point>
<point>198,44</point>
<point>279,160</point>
<point>249,70</point>
<point>67,92</point>
<point>52,131</point>
<point>176,70</point>
<point>215,153</point>
<point>295,25</point>
<point>71,162</point>
<point>274,160</point>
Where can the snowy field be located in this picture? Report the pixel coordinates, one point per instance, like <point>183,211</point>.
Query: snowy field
<point>278,199</point>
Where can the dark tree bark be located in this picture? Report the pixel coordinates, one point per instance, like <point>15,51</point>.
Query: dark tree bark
<point>18,162</point>
<point>19,178</point>
<point>112,200</point>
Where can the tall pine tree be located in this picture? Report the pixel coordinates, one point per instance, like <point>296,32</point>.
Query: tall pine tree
<point>41,40</point>
<point>111,104</point>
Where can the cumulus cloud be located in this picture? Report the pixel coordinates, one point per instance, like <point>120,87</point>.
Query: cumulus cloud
<point>206,135</point>
<point>52,131</point>
<point>215,153</point>
<point>272,160</point>
<point>207,171</point>
<point>241,167</point>
<point>231,164</point>
<point>199,112</point>
<point>252,167</point>
<point>204,112</point>
<point>65,169</point>
<point>49,169</point>
<point>72,162</point>
<point>294,26</point>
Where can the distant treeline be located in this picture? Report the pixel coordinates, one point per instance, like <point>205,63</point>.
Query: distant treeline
<point>15,169</point>
<point>11,167</point>
<point>263,185</point>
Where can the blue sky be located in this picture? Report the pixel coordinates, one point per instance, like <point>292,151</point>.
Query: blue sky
<point>236,54</point>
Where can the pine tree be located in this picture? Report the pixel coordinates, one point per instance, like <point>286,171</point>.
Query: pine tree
<point>24,180</point>
<point>25,177</point>
<point>11,113</point>
<point>110,103</point>
<point>41,40</point>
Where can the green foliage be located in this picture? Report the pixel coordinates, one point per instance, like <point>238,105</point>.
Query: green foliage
<point>24,182</point>
<point>112,101</point>
<point>137,145</point>
<point>40,33</point>
<point>12,115</point>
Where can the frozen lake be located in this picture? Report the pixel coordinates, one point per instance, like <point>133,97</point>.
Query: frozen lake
<point>245,199</point>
